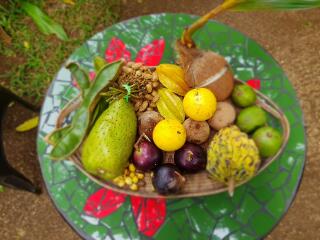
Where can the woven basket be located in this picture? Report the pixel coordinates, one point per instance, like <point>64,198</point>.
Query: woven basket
<point>197,184</point>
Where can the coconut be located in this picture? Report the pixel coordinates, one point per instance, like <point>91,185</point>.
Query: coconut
<point>206,69</point>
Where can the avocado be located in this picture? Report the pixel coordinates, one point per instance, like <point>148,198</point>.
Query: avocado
<point>109,145</point>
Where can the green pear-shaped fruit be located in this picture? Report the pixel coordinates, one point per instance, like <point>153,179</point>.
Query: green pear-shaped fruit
<point>251,118</point>
<point>107,149</point>
<point>268,141</point>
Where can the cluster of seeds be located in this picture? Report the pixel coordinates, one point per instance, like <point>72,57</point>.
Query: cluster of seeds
<point>144,82</point>
<point>131,179</point>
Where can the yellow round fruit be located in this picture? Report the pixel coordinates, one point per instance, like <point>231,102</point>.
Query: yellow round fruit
<point>199,104</point>
<point>169,135</point>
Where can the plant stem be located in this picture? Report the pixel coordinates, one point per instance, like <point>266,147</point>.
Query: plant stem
<point>186,38</point>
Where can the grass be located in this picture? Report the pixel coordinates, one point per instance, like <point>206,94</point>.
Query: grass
<point>32,58</point>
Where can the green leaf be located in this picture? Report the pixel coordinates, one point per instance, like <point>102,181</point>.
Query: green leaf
<point>45,24</point>
<point>80,75</point>
<point>99,63</point>
<point>28,125</point>
<point>1,188</point>
<point>242,5</point>
<point>101,106</point>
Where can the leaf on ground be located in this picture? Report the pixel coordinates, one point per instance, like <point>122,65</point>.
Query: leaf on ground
<point>1,188</point>
<point>70,2</point>
<point>28,125</point>
<point>45,24</point>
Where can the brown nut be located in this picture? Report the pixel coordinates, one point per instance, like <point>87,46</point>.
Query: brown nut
<point>149,88</point>
<point>127,69</point>
<point>147,76</point>
<point>137,105</point>
<point>149,97</point>
<point>138,73</point>
<point>223,117</point>
<point>154,93</point>
<point>155,84</point>
<point>155,77</point>
<point>155,99</point>
<point>153,104</point>
<point>136,65</point>
<point>143,106</point>
<point>129,64</point>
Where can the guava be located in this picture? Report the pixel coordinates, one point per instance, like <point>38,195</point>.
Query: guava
<point>268,141</point>
<point>251,118</point>
<point>243,95</point>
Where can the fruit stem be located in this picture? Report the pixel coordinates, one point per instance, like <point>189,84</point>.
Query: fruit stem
<point>186,38</point>
<point>231,186</point>
<point>143,135</point>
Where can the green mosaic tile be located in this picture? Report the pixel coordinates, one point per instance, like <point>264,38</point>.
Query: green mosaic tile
<point>97,232</point>
<point>280,180</point>
<point>240,236</point>
<point>264,193</point>
<point>201,221</point>
<point>277,204</point>
<point>260,222</point>
<point>242,213</point>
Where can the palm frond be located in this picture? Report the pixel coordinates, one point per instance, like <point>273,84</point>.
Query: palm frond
<point>243,5</point>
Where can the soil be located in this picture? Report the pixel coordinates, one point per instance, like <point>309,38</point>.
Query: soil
<point>291,37</point>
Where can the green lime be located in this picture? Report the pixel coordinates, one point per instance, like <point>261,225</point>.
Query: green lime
<point>268,141</point>
<point>243,95</point>
<point>251,118</point>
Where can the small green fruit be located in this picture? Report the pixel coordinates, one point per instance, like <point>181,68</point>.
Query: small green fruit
<point>243,95</point>
<point>251,118</point>
<point>268,141</point>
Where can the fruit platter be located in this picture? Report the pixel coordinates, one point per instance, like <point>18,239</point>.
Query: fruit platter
<point>99,209</point>
<point>173,130</point>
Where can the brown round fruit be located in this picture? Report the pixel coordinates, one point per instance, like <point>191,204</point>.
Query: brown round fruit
<point>197,132</point>
<point>223,117</point>
<point>147,121</point>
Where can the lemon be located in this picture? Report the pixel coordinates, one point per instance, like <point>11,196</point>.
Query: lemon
<point>169,135</point>
<point>199,104</point>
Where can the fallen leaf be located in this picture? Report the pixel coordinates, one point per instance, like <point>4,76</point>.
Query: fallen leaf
<point>45,24</point>
<point>28,125</point>
<point>70,2</point>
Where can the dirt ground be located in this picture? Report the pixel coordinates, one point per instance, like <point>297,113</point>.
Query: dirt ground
<point>291,37</point>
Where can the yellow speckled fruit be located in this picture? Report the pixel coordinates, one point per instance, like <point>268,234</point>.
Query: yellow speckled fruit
<point>169,135</point>
<point>199,104</point>
<point>232,157</point>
